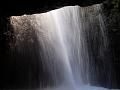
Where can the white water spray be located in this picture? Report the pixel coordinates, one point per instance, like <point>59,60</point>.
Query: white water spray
<point>64,35</point>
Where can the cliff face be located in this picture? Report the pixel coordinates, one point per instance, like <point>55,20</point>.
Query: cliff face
<point>112,12</point>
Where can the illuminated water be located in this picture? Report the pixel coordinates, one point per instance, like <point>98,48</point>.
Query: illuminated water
<point>70,39</point>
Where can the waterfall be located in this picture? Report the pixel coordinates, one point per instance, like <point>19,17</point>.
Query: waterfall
<point>70,43</point>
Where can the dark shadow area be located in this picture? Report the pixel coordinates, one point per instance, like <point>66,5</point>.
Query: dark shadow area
<point>39,6</point>
<point>21,64</point>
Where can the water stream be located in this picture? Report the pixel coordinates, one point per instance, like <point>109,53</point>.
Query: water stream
<point>72,45</point>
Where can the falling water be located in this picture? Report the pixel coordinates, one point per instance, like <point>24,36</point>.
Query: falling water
<point>70,42</point>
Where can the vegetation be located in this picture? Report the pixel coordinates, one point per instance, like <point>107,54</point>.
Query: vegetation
<point>116,5</point>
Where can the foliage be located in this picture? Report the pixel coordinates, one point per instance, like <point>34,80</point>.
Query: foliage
<point>116,4</point>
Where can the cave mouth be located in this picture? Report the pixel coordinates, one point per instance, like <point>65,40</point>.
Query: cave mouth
<point>17,8</point>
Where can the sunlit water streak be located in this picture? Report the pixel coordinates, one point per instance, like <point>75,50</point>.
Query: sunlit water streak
<point>70,37</point>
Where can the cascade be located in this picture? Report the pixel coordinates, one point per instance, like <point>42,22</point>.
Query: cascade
<point>70,41</point>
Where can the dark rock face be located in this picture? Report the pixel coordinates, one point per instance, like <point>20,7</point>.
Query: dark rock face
<point>112,12</point>
<point>10,8</point>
